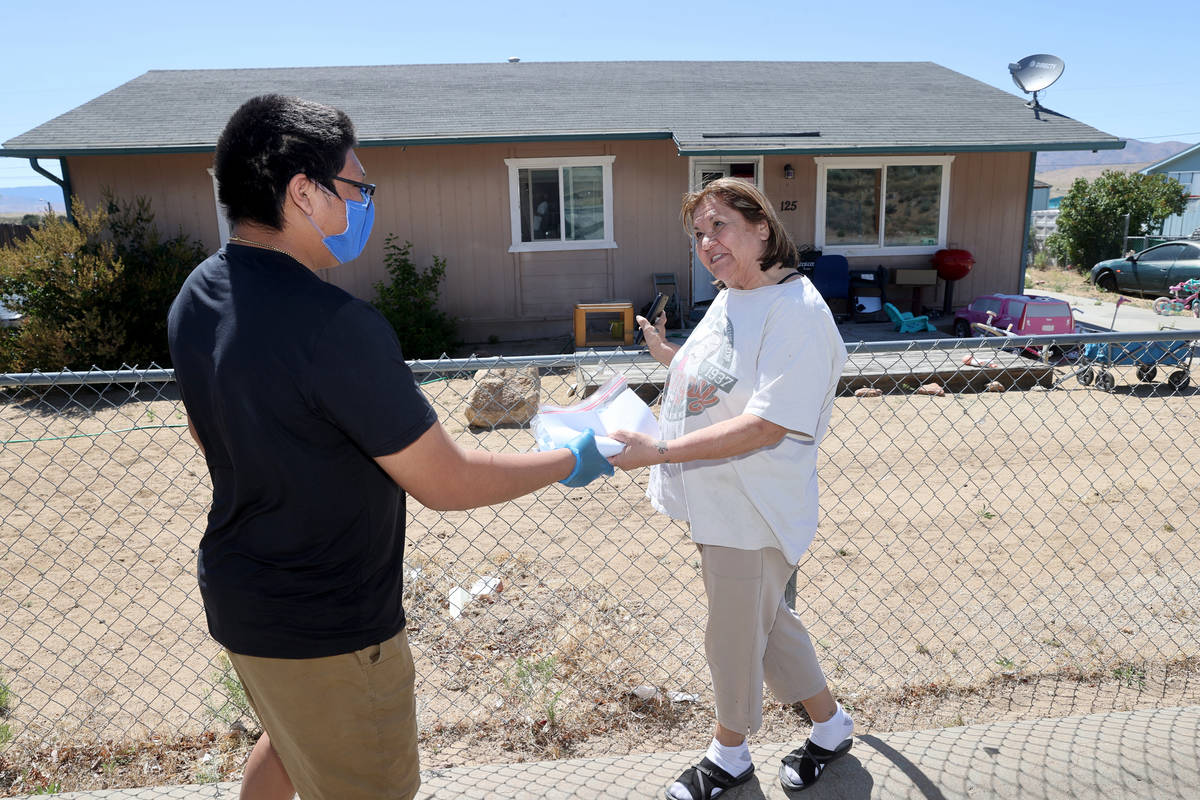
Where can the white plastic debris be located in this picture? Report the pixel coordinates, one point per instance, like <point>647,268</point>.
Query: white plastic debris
<point>460,597</point>
<point>644,692</point>
<point>682,697</point>
<point>484,586</point>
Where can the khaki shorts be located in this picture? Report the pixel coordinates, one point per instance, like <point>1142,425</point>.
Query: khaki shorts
<point>753,636</point>
<point>344,726</point>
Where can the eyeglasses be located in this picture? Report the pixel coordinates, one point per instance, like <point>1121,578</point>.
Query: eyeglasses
<point>368,189</point>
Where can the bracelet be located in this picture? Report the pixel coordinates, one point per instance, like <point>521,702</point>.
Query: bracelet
<point>661,445</point>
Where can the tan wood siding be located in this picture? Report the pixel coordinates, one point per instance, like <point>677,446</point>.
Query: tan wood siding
<point>453,201</point>
<point>986,216</point>
<point>178,186</point>
<point>801,190</point>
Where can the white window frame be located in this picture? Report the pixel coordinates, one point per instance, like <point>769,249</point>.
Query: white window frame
<point>222,220</point>
<point>824,164</point>
<point>514,202</point>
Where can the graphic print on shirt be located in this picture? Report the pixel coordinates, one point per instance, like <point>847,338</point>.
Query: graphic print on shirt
<point>712,353</point>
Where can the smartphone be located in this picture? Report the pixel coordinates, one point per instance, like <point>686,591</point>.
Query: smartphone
<point>656,308</point>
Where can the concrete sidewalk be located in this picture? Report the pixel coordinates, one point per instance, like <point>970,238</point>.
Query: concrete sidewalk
<point>1140,755</point>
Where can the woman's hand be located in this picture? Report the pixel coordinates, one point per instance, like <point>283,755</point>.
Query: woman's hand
<point>640,450</point>
<point>656,338</point>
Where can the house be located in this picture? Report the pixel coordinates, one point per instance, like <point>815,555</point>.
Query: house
<point>1041,196</point>
<point>1185,168</point>
<point>548,184</point>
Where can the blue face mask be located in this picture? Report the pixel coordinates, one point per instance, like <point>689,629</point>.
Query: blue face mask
<point>349,244</point>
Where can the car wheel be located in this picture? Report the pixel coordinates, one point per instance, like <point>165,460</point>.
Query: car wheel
<point>1105,381</point>
<point>962,329</point>
<point>1106,281</point>
<point>1086,376</point>
<point>1180,379</point>
<point>1146,373</point>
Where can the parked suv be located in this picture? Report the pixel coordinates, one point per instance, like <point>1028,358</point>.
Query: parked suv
<point>1033,315</point>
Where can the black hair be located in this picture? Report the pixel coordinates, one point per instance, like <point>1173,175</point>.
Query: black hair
<point>266,142</point>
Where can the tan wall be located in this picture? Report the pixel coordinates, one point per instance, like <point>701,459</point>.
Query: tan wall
<point>452,200</point>
<point>178,186</point>
<point>988,193</point>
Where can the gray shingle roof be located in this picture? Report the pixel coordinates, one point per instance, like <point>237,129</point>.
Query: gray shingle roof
<point>721,106</point>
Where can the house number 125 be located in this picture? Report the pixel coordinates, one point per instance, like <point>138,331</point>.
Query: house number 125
<point>787,205</point>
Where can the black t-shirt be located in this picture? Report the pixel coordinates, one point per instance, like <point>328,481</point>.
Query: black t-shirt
<point>294,386</point>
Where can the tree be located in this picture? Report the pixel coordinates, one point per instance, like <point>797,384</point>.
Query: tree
<point>1090,218</point>
<point>94,292</point>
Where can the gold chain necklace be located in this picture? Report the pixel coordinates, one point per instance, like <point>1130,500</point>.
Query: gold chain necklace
<point>240,240</point>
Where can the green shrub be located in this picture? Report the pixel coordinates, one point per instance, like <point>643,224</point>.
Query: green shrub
<point>154,269</point>
<point>63,278</point>
<point>94,292</point>
<point>409,302</point>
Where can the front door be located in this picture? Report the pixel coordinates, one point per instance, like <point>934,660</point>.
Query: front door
<point>705,172</point>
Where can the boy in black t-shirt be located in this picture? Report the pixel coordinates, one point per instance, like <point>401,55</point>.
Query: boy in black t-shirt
<point>314,430</point>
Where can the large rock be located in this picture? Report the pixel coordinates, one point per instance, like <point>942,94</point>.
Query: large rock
<point>507,395</point>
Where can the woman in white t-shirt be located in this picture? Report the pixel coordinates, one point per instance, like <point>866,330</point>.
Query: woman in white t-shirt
<point>747,400</point>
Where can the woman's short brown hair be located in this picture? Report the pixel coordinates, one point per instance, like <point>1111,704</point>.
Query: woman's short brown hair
<point>747,200</point>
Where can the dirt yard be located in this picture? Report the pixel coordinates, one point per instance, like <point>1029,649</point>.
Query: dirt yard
<point>981,557</point>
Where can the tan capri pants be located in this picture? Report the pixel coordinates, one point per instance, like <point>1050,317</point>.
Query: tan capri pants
<point>344,726</point>
<point>752,636</point>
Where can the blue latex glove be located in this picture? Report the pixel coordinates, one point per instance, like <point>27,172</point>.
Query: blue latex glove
<point>589,464</point>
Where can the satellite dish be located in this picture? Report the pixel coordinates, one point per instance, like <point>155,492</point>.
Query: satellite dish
<point>1035,73</point>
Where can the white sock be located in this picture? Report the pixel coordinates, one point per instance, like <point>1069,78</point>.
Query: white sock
<point>828,734</point>
<point>734,760</point>
<point>833,731</point>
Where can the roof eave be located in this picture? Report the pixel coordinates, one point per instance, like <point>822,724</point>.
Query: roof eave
<point>1017,147</point>
<point>1168,160</point>
<point>61,152</point>
<point>402,141</point>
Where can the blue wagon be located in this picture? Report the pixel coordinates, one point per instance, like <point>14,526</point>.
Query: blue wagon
<point>1146,356</point>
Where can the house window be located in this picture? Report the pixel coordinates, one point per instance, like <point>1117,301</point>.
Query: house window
<point>892,206</point>
<point>561,203</point>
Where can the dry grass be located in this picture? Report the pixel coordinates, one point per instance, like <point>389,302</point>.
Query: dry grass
<point>1025,565</point>
<point>1071,281</point>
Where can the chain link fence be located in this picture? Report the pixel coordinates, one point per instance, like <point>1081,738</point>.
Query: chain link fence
<point>1002,536</point>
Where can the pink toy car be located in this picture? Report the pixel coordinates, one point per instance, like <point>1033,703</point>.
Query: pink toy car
<point>1032,315</point>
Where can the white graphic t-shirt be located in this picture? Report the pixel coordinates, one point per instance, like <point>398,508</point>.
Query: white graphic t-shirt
<point>774,352</point>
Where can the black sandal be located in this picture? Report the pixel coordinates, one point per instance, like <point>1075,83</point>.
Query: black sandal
<point>702,779</point>
<point>809,762</point>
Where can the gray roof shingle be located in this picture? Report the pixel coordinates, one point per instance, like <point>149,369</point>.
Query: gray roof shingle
<point>853,106</point>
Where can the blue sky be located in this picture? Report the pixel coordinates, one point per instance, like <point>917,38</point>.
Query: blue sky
<point>1133,77</point>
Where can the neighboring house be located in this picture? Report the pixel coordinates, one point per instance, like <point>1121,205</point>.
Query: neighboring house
<point>548,184</point>
<point>1041,196</point>
<point>1185,168</point>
